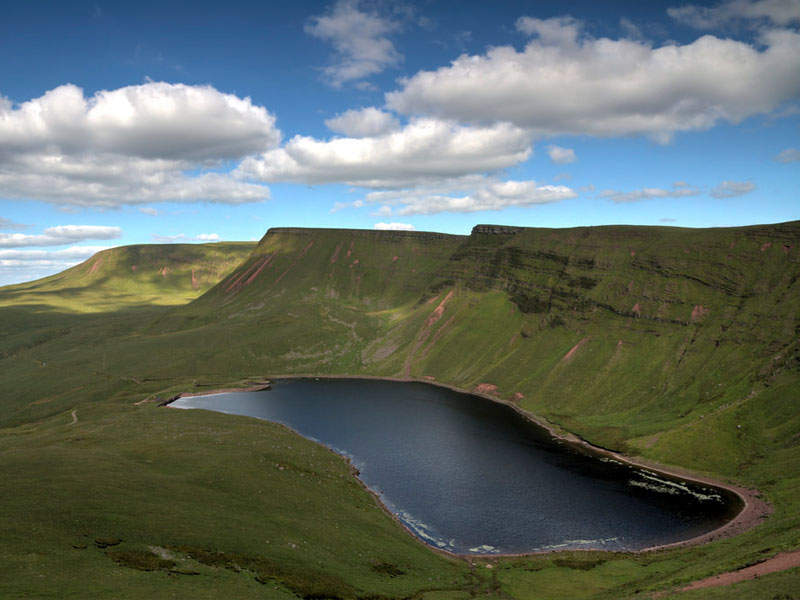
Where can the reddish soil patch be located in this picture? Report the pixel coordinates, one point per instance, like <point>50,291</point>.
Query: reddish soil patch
<point>164,272</point>
<point>518,397</point>
<point>257,265</point>
<point>569,355</point>
<point>780,562</point>
<point>96,265</point>
<point>394,258</point>
<point>733,245</point>
<point>434,299</point>
<point>425,330</point>
<point>637,309</point>
<point>513,339</point>
<point>439,333</point>
<point>296,260</point>
<point>195,282</point>
<point>766,246</point>
<point>355,262</point>
<point>486,388</point>
<point>633,252</point>
<point>133,268</point>
<point>630,286</point>
<point>438,311</point>
<point>335,255</point>
<point>698,312</point>
<point>264,264</point>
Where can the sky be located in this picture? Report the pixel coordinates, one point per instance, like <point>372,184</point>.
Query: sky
<point>187,122</point>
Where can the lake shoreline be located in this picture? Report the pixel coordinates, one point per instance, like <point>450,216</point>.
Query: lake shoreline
<point>754,508</point>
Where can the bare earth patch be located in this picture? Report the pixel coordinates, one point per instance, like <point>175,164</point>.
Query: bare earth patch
<point>779,562</point>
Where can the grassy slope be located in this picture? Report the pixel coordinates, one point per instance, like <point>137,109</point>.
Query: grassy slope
<point>679,337</point>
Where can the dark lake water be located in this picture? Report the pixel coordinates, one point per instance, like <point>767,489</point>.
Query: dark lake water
<point>473,476</point>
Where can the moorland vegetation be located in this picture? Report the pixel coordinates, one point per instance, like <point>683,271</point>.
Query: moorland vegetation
<point>679,346</point>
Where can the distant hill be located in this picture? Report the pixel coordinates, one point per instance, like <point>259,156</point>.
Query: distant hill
<point>155,273</point>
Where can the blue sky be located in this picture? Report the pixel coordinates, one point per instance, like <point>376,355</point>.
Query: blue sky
<point>159,122</point>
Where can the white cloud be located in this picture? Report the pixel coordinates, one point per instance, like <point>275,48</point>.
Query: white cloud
<point>778,12</point>
<point>466,194</point>
<point>788,155</point>
<point>729,189</point>
<point>148,210</point>
<point>424,150</point>
<point>360,40</point>
<point>154,120</point>
<point>182,237</point>
<point>60,235</point>
<point>365,122</point>
<point>561,156</point>
<point>112,180</point>
<point>679,189</point>
<point>566,83</point>
<point>133,145</point>
<point>394,227</point>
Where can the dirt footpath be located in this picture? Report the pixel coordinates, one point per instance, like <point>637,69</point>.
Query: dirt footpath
<point>780,562</point>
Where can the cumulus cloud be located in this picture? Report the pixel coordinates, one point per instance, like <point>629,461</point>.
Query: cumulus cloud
<point>424,150</point>
<point>394,227</point>
<point>788,155</point>
<point>566,82</point>
<point>133,145</point>
<point>679,189</point>
<point>364,122</point>
<point>148,210</point>
<point>777,12</point>
<point>360,40</point>
<point>60,235</point>
<point>155,120</point>
<point>561,156</point>
<point>729,189</point>
<point>466,194</point>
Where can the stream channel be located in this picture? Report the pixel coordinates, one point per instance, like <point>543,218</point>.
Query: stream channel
<point>472,476</point>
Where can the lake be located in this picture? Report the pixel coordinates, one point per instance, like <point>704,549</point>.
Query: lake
<point>473,476</point>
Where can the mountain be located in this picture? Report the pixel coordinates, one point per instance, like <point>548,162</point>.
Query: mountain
<point>677,345</point>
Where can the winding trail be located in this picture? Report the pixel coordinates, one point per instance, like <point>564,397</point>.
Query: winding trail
<point>779,562</point>
<point>74,417</point>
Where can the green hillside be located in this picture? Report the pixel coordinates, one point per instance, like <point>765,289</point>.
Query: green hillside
<point>676,345</point>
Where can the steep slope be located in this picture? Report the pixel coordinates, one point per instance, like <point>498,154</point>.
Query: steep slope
<point>623,331</point>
